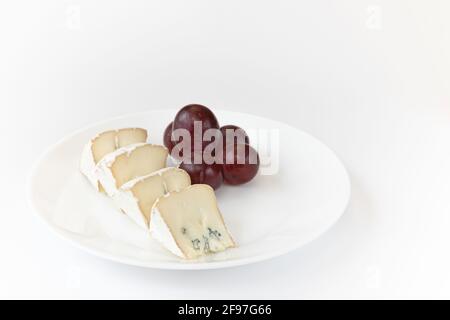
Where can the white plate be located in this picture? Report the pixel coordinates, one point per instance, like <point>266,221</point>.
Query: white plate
<point>270,216</point>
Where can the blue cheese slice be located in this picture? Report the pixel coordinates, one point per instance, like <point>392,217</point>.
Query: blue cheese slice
<point>189,224</point>
<point>136,197</point>
<point>128,163</point>
<point>105,143</point>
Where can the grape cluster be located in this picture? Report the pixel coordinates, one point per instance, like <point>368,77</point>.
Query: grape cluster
<point>229,159</point>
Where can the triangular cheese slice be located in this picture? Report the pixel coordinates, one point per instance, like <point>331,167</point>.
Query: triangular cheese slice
<point>105,143</point>
<point>136,197</point>
<point>189,223</point>
<point>128,163</point>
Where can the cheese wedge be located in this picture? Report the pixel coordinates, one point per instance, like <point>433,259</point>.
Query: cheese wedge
<point>128,163</point>
<point>189,223</point>
<point>136,197</point>
<point>105,143</point>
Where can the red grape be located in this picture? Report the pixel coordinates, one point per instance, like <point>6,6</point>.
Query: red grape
<point>241,135</point>
<point>168,137</point>
<point>186,118</point>
<point>210,174</point>
<point>241,164</point>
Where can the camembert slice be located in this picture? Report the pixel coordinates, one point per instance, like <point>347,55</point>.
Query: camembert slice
<point>189,223</point>
<point>136,197</point>
<point>105,143</point>
<point>128,163</point>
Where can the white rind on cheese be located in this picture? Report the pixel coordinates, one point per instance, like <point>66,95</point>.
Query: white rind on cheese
<point>136,197</point>
<point>105,143</point>
<point>189,224</point>
<point>127,163</point>
<point>87,165</point>
<point>161,232</point>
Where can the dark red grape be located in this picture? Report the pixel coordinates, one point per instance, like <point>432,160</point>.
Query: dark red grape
<point>241,164</point>
<point>241,135</point>
<point>210,174</point>
<point>168,137</point>
<point>186,118</point>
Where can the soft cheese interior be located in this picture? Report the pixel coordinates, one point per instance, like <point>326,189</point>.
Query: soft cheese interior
<point>110,141</point>
<point>128,163</point>
<point>104,144</point>
<point>189,223</point>
<point>137,196</point>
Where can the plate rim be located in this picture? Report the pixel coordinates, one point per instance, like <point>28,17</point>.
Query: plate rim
<point>180,265</point>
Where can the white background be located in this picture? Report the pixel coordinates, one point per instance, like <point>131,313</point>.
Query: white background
<point>369,78</point>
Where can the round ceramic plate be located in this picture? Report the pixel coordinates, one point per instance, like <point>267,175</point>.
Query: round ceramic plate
<point>301,191</point>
